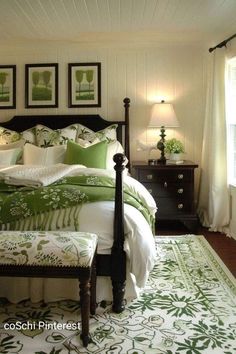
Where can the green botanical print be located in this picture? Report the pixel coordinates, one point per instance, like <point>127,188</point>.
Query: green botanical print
<point>46,137</point>
<point>197,317</point>
<point>9,344</point>
<point>31,317</point>
<point>53,351</point>
<point>8,136</point>
<point>29,135</point>
<point>108,134</point>
<point>190,347</point>
<point>213,336</point>
<point>146,302</point>
<point>178,306</point>
<point>47,248</point>
<point>24,208</point>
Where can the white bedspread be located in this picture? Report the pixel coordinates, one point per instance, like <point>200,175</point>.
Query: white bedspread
<point>98,217</point>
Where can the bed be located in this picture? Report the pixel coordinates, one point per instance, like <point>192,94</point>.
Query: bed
<point>126,251</point>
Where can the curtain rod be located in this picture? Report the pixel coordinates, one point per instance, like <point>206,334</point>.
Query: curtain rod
<point>222,44</point>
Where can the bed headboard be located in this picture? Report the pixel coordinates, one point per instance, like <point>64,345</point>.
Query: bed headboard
<point>92,121</point>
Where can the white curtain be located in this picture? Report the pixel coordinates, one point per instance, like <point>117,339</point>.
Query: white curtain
<point>214,199</point>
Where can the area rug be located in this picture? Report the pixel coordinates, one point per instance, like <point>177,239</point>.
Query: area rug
<point>188,306</point>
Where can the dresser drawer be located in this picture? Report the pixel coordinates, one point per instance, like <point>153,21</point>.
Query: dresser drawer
<point>168,189</point>
<point>172,187</point>
<point>168,206</point>
<point>182,175</point>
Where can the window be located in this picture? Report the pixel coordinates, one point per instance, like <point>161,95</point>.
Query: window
<point>231,118</point>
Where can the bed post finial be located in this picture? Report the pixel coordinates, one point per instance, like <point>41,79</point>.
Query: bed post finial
<point>118,258</point>
<point>127,147</point>
<point>119,159</point>
<point>126,101</point>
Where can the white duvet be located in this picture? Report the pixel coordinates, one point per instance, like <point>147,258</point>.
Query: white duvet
<point>98,218</point>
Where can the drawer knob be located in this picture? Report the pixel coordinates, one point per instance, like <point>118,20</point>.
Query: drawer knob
<point>180,176</point>
<point>180,190</point>
<point>180,206</point>
<point>165,185</point>
<point>149,177</point>
<point>150,191</point>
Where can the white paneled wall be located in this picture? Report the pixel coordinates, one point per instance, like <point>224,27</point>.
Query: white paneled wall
<point>232,225</point>
<point>144,72</point>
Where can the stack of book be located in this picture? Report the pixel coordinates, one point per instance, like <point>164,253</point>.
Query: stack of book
<point>174,162</point>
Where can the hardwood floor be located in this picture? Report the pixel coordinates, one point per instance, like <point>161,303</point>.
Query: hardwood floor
<point>224,246</point>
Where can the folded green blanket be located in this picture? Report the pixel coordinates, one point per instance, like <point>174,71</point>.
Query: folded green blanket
<point>23,208</point>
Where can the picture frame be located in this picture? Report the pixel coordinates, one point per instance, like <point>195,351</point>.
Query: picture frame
<point>84,84</point>
<point>7,86</point>
<point>41,85</point>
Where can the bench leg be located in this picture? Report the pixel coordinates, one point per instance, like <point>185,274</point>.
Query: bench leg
<point>118,289</point>
<point>84,285</point>
<point>93,284</point>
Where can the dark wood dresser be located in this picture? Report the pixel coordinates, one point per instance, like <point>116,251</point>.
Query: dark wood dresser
<point>172,187</point>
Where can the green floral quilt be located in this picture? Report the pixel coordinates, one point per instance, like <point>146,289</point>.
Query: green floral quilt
<point>23,208</point>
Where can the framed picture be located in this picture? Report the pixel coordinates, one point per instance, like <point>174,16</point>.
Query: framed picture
<point>7,86</point>
<point>84,85</point>
<point>41,85</point>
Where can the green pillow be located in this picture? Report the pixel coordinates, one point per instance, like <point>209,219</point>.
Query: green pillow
<point>91,156</point>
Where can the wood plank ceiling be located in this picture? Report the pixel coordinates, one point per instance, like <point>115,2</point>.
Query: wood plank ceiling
<point>79,19</point>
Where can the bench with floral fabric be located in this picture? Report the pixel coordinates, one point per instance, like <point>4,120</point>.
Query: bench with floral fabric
<point>54,254</point>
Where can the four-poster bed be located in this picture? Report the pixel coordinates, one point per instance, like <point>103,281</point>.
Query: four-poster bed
<point>113,264</point>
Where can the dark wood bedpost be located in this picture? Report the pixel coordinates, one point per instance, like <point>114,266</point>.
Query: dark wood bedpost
<point>127,147</point>
<point>118,258</point>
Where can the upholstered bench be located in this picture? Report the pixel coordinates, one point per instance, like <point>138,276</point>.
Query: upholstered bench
<point>54,254</point>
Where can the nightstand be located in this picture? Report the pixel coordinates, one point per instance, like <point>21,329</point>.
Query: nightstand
<point>172,187</point>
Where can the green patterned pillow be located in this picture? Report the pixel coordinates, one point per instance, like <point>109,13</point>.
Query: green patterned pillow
<point>48,137</point>
<point>93,156</point>
<point>29,135</point>
<point>108,134</point>
<point>8,136</point>
<point>17,144</point>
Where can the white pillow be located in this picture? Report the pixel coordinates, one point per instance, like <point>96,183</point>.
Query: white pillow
<point>113,148</point>
<point>10,157</point>
<point>35,155</point>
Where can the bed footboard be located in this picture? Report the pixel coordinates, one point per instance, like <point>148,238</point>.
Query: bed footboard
<point>118,256</point>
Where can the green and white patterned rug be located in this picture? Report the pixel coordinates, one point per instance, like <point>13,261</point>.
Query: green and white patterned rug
<point>188,306</point>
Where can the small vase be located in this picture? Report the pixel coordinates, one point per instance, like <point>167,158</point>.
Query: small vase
<point>176,156</point>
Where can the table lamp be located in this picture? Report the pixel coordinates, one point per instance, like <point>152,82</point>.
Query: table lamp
<point>163,116</point>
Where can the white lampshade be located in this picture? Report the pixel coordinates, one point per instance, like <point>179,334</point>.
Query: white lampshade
<point>163,114</point>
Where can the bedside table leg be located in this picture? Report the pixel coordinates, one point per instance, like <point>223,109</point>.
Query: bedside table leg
<point>192,225</point>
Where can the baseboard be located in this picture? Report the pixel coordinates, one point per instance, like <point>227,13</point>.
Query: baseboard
<point>232,225</point>
<point>232,234</point>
